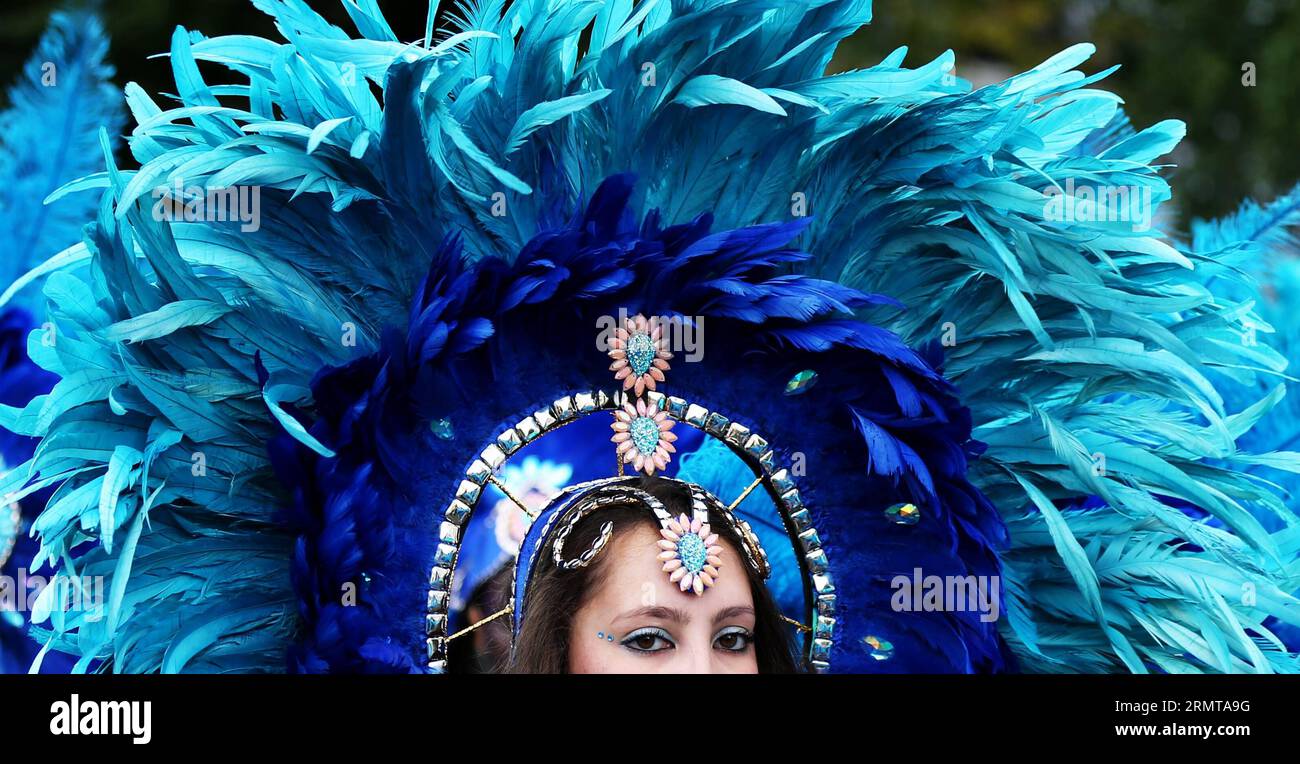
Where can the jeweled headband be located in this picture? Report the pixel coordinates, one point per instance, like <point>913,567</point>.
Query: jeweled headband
<point>688,550</point>
<point>697,565</point>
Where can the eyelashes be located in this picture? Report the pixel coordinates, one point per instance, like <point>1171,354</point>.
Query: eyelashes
<point>648,640</point>
<point>651,640</point>
<point>733,639</point>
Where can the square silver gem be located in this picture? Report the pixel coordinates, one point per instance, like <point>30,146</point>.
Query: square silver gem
<point>456,512</point>
<point>435,623</point>
<point>528,429</point>
<point>822,583</point>
<point>716,423</point>
<point>509,441</point>
<point>478,471</point>
<point>736,434</point>
<point>696,415</point>
<point>793,501</point>
<point>469,491</point>
<point>493,455</point>
<point>823,627</point>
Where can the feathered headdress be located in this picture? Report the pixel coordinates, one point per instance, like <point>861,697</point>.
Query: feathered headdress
<point>423,270</point>
<point>47,139</point>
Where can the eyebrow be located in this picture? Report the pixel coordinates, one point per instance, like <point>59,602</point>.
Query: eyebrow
<point>734,611</point>
<point>661,613</point>
<point>657,612</point>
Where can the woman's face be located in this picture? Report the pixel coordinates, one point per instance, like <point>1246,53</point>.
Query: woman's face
<point>656,627</point>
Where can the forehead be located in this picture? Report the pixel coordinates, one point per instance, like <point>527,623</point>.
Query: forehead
<point>634,577</point>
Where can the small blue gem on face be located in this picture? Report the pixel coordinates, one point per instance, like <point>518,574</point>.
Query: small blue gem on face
<point>609,637</point>
<point>690,548</point>
<point>640,353</point>
<point>645,435</point>
<point>600,635</point>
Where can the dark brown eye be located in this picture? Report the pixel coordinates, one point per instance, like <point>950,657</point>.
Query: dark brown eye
<point>733,639</point>
<point>648,640</point>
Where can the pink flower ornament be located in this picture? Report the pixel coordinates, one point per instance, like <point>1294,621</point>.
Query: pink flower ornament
<point>640,354</point>
<point>643,435</point>
<point>691,554</point>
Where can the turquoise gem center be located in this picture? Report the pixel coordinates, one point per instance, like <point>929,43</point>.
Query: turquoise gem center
<point>640,353</point>
<point>645,435</point>
<point>690,548</point>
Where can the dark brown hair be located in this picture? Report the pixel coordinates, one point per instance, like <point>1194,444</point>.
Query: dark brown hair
<point>554,596</point>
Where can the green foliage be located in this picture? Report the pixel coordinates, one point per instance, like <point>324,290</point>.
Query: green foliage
<point>1179,59</point>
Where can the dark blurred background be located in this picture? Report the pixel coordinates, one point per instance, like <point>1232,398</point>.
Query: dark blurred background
<point>1180,58</point>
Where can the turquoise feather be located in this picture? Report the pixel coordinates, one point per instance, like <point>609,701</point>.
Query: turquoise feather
<point>48,138</point>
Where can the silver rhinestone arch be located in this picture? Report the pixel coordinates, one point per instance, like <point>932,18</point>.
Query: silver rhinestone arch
<point>819,589</point>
